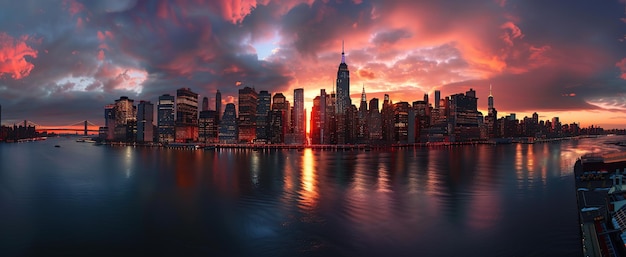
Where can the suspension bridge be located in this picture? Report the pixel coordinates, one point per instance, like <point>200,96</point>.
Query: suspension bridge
<point>84,126</point>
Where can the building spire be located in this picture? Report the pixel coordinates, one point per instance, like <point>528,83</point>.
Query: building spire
<point>490,90</point>
<point>343,55</point>
<point>363,98</point>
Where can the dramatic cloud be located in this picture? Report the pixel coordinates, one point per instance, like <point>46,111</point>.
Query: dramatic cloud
<point>71,57</point>
<point>13,56</point>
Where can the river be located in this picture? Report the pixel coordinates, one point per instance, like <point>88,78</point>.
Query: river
<point>85,200</point>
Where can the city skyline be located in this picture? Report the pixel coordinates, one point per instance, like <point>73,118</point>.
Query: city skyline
<point>76,57</point>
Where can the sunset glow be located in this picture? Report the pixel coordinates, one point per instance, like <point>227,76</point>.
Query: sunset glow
<point>72,57</point>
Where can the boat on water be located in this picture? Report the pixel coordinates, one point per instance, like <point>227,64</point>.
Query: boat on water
<point>57,146</point>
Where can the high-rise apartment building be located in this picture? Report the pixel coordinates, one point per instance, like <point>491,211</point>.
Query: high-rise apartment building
<point>109,122</point>
<point>437,98</point>
<point>166,119</point>
<point>248,100</point>
<point>375,127</point>
<point>145,122</point>
<point>186,115</point>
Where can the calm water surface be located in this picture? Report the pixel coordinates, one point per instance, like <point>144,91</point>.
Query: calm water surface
<point>86,200</point>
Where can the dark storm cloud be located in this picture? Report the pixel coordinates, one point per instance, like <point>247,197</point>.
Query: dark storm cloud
<point>81,55</point>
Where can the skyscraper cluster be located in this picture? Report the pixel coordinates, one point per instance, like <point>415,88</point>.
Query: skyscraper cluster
<point>255,119</point>
<point>263,118</point>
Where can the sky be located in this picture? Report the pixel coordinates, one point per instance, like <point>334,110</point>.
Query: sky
<point>63,61</point>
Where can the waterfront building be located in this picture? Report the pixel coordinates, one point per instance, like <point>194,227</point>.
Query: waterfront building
<point>421,118</point>
<point>218,106</point>
<point>330,121</point>
<point>125,120</point>
<point>387,114</point>
<point>375,127</point>
<point>228,129</point>
<point>207,127</point>
<point>464,116</point>
<point>186,115</point>
<point>343,101</point>
<point>298,124</point>
<point>401,122</point>
<point>145,122</point>
<point>262,116</point>
<point>491,118</point>
<point>363,118</point>
<point>109,122</point>
<point>248,101</point>
<point>166,119</point>
<point>278,119</point>
<point>315,131</point>
<point>322,117</point>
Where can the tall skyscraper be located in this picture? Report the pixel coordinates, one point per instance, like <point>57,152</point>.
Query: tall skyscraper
<point>375,121</point>
<point>299,119</point>
<point>248,100</point>
<point>363,117</point>
<point>186,115</point>
<point>262,114</point>
<point>228,131</point>
<point>437,98</point>
<point>0,117</point>
<point>205,103</point>
<point>166,119</point>
<point>125,119</point>
<point>323,126</point>
<point>490,100</point>
<point>109,121</point>
<point>218,106</point>
<point>343,97</point>
<point>145,122</point>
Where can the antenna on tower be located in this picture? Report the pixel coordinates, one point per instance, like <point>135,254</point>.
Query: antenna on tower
<point>343,56</point>
<point>490,90</point>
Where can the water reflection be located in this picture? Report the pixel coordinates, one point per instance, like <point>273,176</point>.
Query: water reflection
<point>308,183</point>
<point>503,200</point>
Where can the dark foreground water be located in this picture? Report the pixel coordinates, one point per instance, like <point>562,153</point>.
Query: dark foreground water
<point>86,200</point>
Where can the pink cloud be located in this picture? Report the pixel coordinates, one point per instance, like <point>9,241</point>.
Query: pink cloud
<point>12,56</point>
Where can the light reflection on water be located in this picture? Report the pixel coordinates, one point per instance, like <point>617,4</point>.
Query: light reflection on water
<point>505,200</point>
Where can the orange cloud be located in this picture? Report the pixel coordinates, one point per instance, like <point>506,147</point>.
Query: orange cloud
<point>366,74</point>
<point>12,53</point>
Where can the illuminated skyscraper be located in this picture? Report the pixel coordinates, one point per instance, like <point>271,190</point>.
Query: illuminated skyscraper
<point>186,115</point>
<point>343,98</point>
<point>166,119</point>
<point>145,124</point>
<point>248,100</point>
<point>125,119</point>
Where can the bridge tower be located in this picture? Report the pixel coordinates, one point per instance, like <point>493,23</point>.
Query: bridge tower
<point>85,127</point>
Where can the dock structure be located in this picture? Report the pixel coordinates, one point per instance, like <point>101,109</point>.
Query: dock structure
<point>601,199</point>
